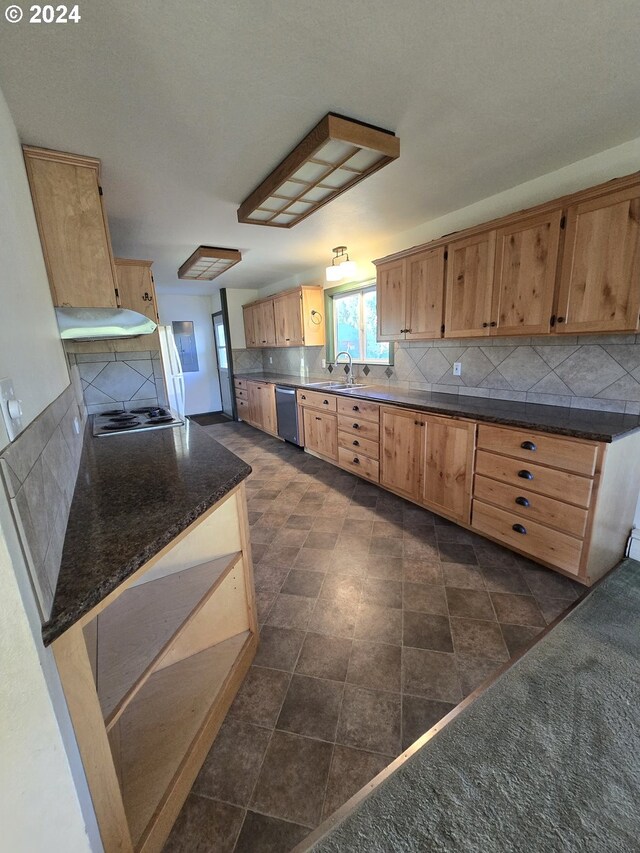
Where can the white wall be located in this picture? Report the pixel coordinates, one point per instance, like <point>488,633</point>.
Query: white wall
<point>42,785</point>
<point>236,298</point>
<point>202,389</point>
<point>30,342</point>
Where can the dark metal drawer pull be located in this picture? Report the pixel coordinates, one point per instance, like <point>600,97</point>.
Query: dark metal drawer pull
<point>325,402</point>
<point>356,426</point>
<point>356,443</point>
<point>526,475</point>
<point>522,501</point>
<point>528,445</point>
<point>519,528</point>
<point>302,397</point>
<point>356,408</point>
<point>356,461</point>
<point>318,419</point>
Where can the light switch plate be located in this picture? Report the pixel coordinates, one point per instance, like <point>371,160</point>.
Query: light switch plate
<point>11,408</point>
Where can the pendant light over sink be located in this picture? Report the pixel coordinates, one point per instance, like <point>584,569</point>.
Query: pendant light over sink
<point>341,267</point>
<point>337,154</point>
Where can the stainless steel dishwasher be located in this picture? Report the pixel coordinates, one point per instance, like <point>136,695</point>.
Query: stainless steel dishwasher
<point>287,409</point>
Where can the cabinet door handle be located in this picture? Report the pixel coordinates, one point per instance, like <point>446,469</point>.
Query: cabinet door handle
<point>493,323</point>
<point>356,408</point>
<point>325,402</point>
<point>485,325</point>
<point>356,426</point>
<point>356,461</point>
<point>520,528</point>
<point>560,320</point>
<point>408,330</point>
<point>526,475</point>
<point>318,419</point>
<point>522,501</point>
<point>528,445</point>
<point>356,443</point>
<point>302,397</point>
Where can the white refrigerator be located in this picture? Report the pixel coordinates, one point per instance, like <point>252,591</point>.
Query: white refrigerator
<point>172,370</point>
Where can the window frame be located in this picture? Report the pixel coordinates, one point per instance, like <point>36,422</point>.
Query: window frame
<point>344,290</point>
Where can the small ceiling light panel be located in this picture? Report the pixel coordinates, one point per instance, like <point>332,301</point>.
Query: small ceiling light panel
<point>337,154</point>
<point>207,263</point>
<point>341,267</point>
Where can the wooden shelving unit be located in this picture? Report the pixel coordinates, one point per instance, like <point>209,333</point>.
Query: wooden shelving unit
<point>150,673</point>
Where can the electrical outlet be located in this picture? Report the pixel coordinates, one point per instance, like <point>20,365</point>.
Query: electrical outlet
<point>324,362</point>
<point>457,368</point>
<point>11,408</point>
<point>270,359</point>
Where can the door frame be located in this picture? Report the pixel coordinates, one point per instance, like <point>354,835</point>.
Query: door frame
<point>224,312</point>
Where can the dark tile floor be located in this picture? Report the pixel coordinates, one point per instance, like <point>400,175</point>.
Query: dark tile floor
<point>377,618</point>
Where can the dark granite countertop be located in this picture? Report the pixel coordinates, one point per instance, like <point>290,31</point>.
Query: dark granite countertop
<point>544,760</point>
<point>134,493</point>
<point>559,420</point>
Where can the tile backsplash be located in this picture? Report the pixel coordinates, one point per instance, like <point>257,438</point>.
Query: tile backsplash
<point>39,469</point>
<point>586,372</point>
<point>120,380</point>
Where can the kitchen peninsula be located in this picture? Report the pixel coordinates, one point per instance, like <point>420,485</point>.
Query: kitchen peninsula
<point>153,625</point>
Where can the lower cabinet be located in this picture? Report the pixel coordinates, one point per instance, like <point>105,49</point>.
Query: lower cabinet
<point>262,406</point>
<point>428,459</point>
<point>321,432</point>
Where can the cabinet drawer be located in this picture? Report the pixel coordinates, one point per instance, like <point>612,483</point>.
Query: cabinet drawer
<point>243,408</point>
<point>541,542</point>
<point>359,409</point>
<point>240,383</point>
<point>358,444</point>
<point>555,513</point>
<point>540,448</point>
<point>327,402</point>
<point>356,426</point>
<point>242,394</point>
<point>359,464</point>
<point>546,481</point>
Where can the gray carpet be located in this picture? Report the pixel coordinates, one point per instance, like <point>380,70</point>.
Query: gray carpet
<point>547,759</point>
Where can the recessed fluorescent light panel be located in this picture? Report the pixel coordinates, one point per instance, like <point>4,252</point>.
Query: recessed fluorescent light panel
<point>337,154</point>
<point>208,263</point>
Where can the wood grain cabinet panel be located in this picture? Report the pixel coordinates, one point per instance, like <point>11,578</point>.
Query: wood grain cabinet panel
<point>391,301</point>
<point>410,296</point>
<point>262,406</point>
<point>293,318</point>
<point>288,320</point>
<point>136,287</point>
<point>321,432</point>
<point>264,324</point>
<point>401,440</point>
<point>470,270</point>
<point>600,285</point>
<point>249,318</point>
<point>573,455</point>
<point>73,228</point>
<point>448,467</point>
<point>525,275</point>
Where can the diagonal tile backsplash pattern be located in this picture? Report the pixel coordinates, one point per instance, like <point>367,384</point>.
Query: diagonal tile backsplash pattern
<point>39,469</point>
<point>586,372</point>
<point>120,380</point>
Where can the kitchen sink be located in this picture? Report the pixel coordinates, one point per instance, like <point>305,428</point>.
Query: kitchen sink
<point>334,386</point>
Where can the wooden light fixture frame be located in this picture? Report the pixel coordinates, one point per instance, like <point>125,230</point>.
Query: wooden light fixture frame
<point>332,127</point>
<point>233,256</point>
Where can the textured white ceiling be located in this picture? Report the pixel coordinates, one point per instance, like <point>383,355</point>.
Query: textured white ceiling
<point>190,104</point>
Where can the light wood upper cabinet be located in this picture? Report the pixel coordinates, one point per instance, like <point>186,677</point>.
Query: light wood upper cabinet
<point>448,467</point>
<point>248,316</point>
<point>391,301</point>
<point>73,228</point>
<point>294,318</point>
<point>288,320</point>
<point>401,439</point>
<point>525,275</point>
<point>410,296</point>
<point>136,287</point>
<point>321,432</point>
<point>470,269</point>
<point>600,284</point>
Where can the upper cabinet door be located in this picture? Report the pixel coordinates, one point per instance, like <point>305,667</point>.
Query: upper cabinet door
<point>469,284</point>
<point>265,324</point>
<point>600,285</point>
<point>391,301</point>
<point>73,228</point>
<point>424,275</point>
<point>525,275</point>
<point>288,320</point>
<point>136,287</point>
<point>248,315</point>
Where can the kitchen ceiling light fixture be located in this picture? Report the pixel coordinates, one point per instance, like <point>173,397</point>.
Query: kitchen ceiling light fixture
<point>337,154</point>
<point>207,263</point>
<point>341,267</point>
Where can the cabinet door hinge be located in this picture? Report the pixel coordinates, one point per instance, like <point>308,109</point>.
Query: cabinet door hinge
<point>563,221</point>
<point>117,296</point>
<point>99,190</point>
<point>442,329</point>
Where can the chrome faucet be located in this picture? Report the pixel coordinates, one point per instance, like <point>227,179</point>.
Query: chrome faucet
<point>350,377</point>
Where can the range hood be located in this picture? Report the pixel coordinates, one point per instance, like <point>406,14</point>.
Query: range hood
<point>102,324</point>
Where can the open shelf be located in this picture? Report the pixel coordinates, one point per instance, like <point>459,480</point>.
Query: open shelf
<point>159,728</point>
<point>135,632</point>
